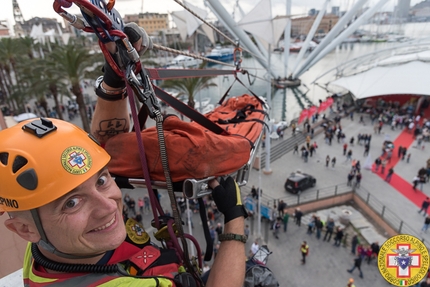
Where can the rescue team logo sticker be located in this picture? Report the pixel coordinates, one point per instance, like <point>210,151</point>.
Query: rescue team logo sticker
<point>403,260</point>
<point>76,160</point>
<point>136,232</point>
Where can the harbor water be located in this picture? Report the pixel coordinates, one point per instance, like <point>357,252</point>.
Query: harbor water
<point>287,104</point>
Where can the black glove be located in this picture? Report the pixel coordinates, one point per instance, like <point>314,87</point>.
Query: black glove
<point>134,34</point>
<point>227,199</point>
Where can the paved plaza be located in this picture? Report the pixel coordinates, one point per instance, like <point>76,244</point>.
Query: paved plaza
<point>326,264</point>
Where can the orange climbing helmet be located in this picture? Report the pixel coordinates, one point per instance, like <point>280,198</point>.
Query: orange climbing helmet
<point>42,160</point>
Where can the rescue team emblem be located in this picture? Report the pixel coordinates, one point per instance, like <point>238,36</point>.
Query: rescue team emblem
<point>76,160</point>
<point>403,260</point>
<point>136,232</point>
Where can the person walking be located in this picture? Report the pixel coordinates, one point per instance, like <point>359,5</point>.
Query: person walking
<point>285,219</point>
<point>366,149</point>
<point>296,149</point>
<point>349,155</point>
<point>338,237</point>
<point>304,249</point>
<point>311,150</point>
<point>345,147</point>
<point>357,264</point>
<point>354,242</point>
<point>333,162</point>
<point>329,230</point>
<point>426,224</point>
<point>424,206</point>
<point>276,227</point>
<point>358,177</point>
<point>383,164</point>
<point>327,160</point>
<point>319,226</point>
<point>350,283</point>
<point>389,175</point>
<point>377,164</point>
<point>415,182</point>
<point>350,178</point>
<point>254,248</point>
<point>298,216</point>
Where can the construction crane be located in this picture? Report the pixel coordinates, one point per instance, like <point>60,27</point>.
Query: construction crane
<point>19,19</point>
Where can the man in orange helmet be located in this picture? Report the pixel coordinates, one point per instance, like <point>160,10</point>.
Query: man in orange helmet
<point>61,198</point>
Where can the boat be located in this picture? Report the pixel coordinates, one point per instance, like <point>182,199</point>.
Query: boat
<point>285,83</point>
<point>297,46</point>
<point>221,54</point>
<point>182,62</point>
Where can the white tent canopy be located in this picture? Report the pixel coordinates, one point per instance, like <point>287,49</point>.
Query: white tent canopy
<point>410,78</point>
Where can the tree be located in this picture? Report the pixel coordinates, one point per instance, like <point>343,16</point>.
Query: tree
<point>74,63</point>
<point>189,86</point>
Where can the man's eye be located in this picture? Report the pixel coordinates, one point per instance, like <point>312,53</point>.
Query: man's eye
<point>102,180</point>
<point>72,203</point>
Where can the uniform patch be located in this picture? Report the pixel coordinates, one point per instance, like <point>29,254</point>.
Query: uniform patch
<point>76,160</point>
<point>136,232</point>
<point>403,260</point>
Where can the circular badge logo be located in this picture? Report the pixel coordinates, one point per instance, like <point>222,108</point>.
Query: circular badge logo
<point>136,232</point>
<point>76,160</point>
<point>403,260</point>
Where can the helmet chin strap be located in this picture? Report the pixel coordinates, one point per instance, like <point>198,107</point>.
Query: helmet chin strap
<point>45,244</point>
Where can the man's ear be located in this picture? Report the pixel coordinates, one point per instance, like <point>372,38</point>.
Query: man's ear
<point>25,229</point>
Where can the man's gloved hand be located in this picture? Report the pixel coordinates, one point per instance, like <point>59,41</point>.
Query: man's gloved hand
<point>134,34</point>
<point>141,42</point>
<point>227,198</point>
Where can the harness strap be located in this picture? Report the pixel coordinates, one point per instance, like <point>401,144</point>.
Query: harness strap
<point>189,112</point>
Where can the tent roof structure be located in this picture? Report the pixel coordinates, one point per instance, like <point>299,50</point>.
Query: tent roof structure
<point>409,77</point>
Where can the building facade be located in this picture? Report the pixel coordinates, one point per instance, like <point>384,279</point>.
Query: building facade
<point>151,22</point>
<point>302,25</point>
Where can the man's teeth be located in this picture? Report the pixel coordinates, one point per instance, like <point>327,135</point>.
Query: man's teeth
<point>105,226</point>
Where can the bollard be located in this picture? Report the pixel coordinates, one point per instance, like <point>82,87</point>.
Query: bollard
<point>383,211</point>
<point>400,227</point>
<point>335,190</point>
<point>368,198</point>
<point>318,193</point>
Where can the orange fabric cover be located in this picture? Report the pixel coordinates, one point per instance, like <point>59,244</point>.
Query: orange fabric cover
<point>193,151</point>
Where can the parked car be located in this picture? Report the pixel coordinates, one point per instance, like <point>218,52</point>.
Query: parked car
<point>298,181</point>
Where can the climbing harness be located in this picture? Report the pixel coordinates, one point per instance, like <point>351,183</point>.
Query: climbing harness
<point>103,20</point>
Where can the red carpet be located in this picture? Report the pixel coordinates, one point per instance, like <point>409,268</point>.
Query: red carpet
<point>404,186</point>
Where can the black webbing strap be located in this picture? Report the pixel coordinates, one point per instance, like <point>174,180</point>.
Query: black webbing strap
<point>189,112</point>
<point>228,91</point>
<point>208,238</point>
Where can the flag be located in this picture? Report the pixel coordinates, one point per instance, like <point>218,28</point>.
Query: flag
<point>403,283</point>
<point>312,111</point>
<point>303,115</point>
<point>329,101</point>
<point>323,106</point>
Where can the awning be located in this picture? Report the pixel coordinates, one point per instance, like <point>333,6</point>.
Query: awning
<point>410,78</point>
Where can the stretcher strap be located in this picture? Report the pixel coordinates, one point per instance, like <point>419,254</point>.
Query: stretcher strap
<point>189,112</point>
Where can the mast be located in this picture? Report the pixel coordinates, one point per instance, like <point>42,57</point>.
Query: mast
<point>223,15</point>
<point>287,36</point>
<point>329,37</point>
<point>348,31</point>
<point>310,35</point>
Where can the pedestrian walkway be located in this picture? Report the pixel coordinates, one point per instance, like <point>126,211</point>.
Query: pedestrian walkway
<point>273,184</point>
<point>326,267</point>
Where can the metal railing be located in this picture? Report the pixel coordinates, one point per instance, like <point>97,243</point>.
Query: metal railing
<point>390,217</point>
